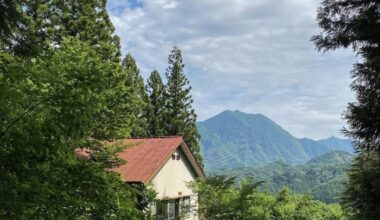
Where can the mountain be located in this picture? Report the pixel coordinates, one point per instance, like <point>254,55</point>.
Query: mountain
<point>234,139</point>
<point>335,143</point>
<point>331,157</point>
<point>323,177</point>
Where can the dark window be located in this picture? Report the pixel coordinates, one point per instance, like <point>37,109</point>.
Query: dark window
<point>178,157</point>
<point>173,157</point>
<point>167,209</point>
<point>185,208</point>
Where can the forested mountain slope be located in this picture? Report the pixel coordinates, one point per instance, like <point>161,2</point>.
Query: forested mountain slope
<point>234,139</point>
<point>323,177</point>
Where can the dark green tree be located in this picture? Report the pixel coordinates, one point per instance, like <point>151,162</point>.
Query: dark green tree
<point>157,97</point>
<point>51,105</point>
<point>136,83</point>
<point>361,197</point>
<point>59,93</point>
<point>10,14</point>
<point>356,24</point>
<point>48,22</point>
<point>180,117</point>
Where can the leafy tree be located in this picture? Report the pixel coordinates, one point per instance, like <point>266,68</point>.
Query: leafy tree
<point>136,83</point>
<point>157,97</point>
<point>350,23</point>
<point>215,193</point>
<point>51,105</point>
<point>181,118</point>
<point>48,22</point>
<point>222,199</point>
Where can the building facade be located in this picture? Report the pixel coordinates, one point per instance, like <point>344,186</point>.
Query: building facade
<point>166,164</point>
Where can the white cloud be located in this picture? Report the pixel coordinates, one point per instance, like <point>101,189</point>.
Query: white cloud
<point>249,55</point>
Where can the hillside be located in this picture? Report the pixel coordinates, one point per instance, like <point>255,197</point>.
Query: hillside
<point>331,158</point>
<point>335,143</point>
<point>234,139</point>
<point>323,177</point>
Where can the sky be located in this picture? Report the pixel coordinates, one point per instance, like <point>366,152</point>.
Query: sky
<point>249,55</point>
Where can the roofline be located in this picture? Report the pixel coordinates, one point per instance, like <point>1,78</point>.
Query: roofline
<point>193,161</point>
<point>162,163</point>
<point>189,155</point>
<point>155,137</point>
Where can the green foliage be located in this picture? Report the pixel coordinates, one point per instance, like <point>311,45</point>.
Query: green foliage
<point>46,23</point>
<point>324,177</point>
<point>157,97</point>
<point>51,105</point>
<point>362,195</point>
<point>180,118</point>
<point>136,83</point>
<point>10,14</point>
<point>350,23</point>
<point>146,196</point>
<point>221,199</point>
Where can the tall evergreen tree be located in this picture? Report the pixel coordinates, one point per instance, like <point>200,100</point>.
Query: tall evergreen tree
<point>157,97</point>
<point>136,83</point>
<point>180,117</point>
<point>356,24</point>
<point>48,22</point>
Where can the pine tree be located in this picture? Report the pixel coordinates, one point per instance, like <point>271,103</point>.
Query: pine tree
<point>180,116</point>
<point>136,83</point>
<point>356,24</point>
<point>157,97</point>
<point>48,22</point>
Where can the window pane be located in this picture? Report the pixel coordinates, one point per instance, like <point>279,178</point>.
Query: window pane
<point>186,200</point>
<point>171,209</point>
<point>185,206</point>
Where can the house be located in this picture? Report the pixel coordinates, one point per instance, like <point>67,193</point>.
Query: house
<point>168,165</point>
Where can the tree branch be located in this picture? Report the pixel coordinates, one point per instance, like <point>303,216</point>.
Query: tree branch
<point>21,116</point>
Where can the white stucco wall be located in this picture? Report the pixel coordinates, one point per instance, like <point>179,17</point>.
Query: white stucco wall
<point>170,182</point>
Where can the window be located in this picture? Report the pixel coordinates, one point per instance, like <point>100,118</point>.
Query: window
<point>173,157</point>
<point>178,157</point>
<point>171,211</point>
<point>185,208</point>
<point>168,209</point>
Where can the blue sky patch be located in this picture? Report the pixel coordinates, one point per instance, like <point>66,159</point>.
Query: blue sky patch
<point>117,7</point>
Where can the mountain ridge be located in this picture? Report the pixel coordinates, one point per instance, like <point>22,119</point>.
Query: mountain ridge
<point>233,139</point>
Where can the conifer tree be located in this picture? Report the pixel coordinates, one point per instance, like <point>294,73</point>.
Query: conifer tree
<point>156,91</point>
<point>136,83</point>
<point>180,116</point>
<point>48,22</point>
<point>356,24</point>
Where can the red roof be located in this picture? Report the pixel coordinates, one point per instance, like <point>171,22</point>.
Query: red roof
<point>146,156</point>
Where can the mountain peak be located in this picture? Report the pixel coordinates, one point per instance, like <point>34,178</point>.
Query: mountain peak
<point>238,139</point>
<point>240,113</point>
